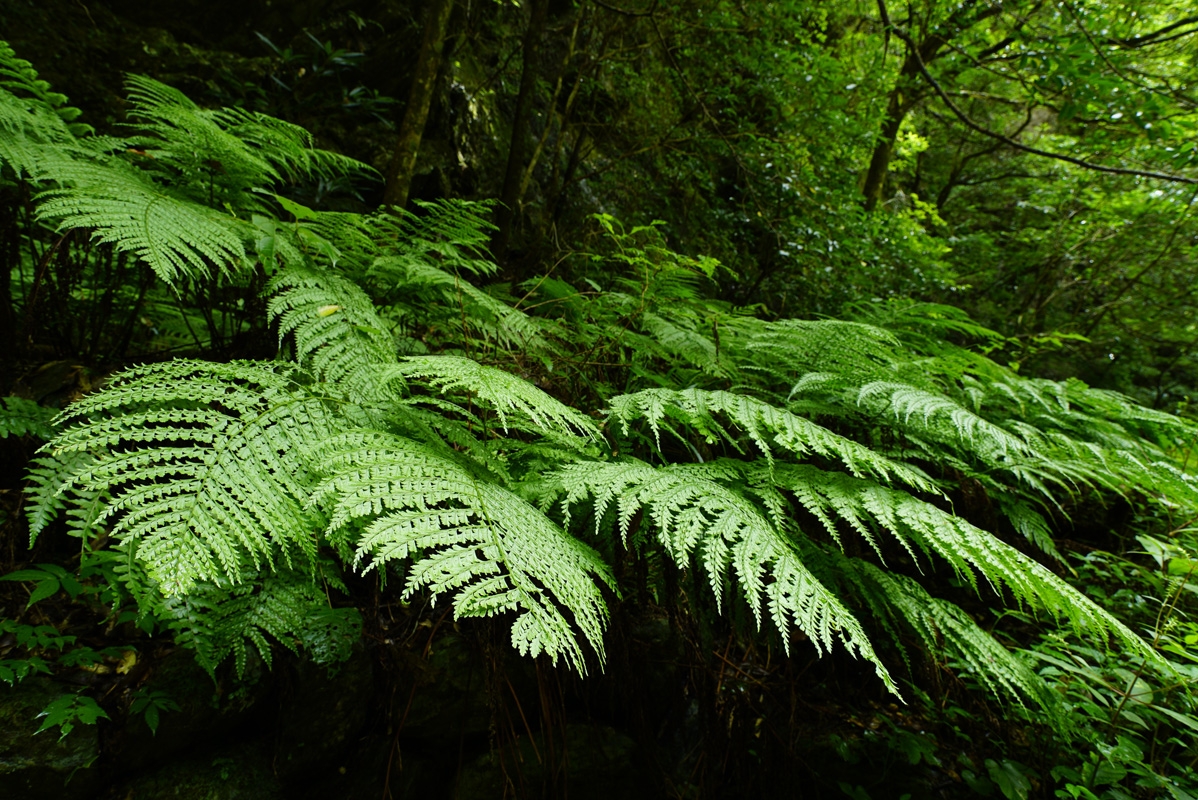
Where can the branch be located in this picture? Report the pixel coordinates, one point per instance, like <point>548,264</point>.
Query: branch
<point>1155,36</point>
<point>976,127</point>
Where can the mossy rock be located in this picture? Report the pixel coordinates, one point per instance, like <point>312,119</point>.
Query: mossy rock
<point>35,765</point>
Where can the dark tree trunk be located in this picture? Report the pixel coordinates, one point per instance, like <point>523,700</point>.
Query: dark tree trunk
<point>411,130</point>
<point>509,198</point>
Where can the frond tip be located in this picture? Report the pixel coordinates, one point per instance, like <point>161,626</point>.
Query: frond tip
<point>394,499</point>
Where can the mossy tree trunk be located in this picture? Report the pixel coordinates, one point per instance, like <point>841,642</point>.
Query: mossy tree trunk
<point>411,130</point>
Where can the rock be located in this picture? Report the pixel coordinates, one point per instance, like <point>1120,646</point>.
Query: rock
<point>34,765</point>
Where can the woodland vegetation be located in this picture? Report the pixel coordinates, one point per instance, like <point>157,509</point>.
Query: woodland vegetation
<point>796,392</point>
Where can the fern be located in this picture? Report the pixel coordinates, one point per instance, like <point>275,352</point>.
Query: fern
<point>21,417</point>
<point>475,539</point>
<point>336,331</point>
<point>696,516</point>
<point>123,207</point>
<point>222,619</point>
<point>503,392</point>
<point>205,465</point>
<point>235,492</point>
<point>761,423</point>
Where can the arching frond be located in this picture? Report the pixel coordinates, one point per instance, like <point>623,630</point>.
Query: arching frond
<point>944,631</point>
<point>118,204</point>
<point>393,499</point>
<point>204,466</point>
<point>763,424</point>
<point>502,391</point>
<point>866,506</point>
<point>695,516</point>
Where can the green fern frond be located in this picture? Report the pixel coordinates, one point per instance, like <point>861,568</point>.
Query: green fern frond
<point>119,204</point>
<point>205,467</point>
<point>762,424</point>
<point>695,516</point>
<point>945,631</point>
<point>21,417</point>
<point>394,499</point>
<point>225,619</point>
<point>52,491</point>
<point>502,391</point>
<point>337,333</point>
<point>461,304</point>
<point>929,413</point>
<point>866,506</point>
<point>288,149</point>
<point>790,348</point>
<point>33,118</point>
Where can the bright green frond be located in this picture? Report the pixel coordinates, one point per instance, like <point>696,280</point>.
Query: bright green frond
<point>337,333</point>
<point>764,425</point>
<point>394,500</point>
<point>694,516</point>
<point>865,506</point>
<point>502,391</point>
<point>118,204</point>
<point>205,465</point>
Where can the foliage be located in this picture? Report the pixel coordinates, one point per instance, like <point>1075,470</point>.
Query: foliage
<point>874,485</point>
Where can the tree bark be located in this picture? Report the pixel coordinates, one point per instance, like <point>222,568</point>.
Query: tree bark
<point>509,198</point>
<point>411,130</point>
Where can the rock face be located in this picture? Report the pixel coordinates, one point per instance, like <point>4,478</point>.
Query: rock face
<point>37,766</point>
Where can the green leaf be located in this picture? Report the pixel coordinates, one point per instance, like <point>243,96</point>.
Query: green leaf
<point>69,710</point>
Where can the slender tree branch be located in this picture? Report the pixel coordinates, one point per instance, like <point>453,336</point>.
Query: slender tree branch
<point>978,128</point>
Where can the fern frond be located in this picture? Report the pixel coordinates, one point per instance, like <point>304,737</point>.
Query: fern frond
<point>52,491</point>
<point>762,424</point>
<point>225,619</point>
<point>120,205</point>
<point>205,467</point>
<point>502,391</point>
<point>21,417</point>
<point>865,505</point>
<point>337,333</point>
<point>33,118</point>
<point>928,412</point>
<point>478,314</point>
<point>790,348</point>
<point>945,631</point>
<point>696,516</point>
<point>394,499</point>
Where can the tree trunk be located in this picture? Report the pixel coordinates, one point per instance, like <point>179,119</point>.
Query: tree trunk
<point>509,198</point>
<point>411,130</point>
